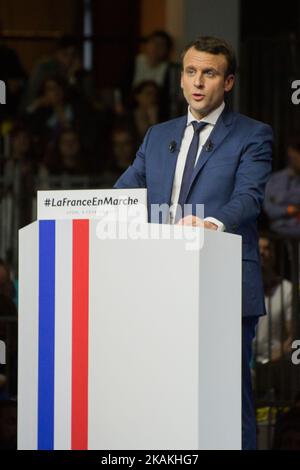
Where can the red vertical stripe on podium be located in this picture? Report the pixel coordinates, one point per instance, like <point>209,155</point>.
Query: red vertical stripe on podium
<point>80,294</point>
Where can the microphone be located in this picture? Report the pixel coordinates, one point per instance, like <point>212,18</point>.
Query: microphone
<point>208,146</point>
<point>172,146</point>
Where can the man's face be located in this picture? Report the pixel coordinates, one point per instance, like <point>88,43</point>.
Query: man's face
<point>265,250</point>
<point>203,81</point>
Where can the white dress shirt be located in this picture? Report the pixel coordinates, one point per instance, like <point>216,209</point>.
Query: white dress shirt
<point>211,119</point>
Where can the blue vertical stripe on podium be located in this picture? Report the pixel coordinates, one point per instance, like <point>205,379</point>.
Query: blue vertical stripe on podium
<point>46,334</point>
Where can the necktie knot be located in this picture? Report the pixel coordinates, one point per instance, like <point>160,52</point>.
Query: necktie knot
<point>198,126</point>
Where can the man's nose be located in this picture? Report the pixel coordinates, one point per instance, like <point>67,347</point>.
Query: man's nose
<point>199,82</point>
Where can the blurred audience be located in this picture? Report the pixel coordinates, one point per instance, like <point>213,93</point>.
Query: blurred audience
<point>64,156</point>
<point>282,199</point>
<point>8,332</point>
<point>18,170</point>
<point>287,428</point>
<point>275,328</point>
<point>274,331</point>
<point>14,76</point>
<point>147,107</point>
<point>8,425</point>
<point>65,63</point>
<point>56,109</point>
<point>153,63</point>
<point>123,144</point>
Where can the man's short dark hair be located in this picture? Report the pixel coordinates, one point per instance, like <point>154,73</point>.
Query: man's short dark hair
<point>216,46</point>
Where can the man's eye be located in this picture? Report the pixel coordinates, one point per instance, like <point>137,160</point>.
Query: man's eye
<point>190,72</point>
<point>210,73</point>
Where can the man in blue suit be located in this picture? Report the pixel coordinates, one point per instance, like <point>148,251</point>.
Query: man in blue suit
<point>218,158</point>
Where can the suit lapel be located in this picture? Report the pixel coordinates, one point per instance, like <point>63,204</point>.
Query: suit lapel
<point>218,134</point>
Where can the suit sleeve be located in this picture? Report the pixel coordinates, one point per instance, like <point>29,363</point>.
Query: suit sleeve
<point>135,175</point>
<point>252,175</point>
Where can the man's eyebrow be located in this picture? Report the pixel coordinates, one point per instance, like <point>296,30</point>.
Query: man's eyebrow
<point>210,69</point>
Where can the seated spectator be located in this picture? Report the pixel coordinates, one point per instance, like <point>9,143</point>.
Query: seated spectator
<point>154,62</point>
<point>274,331</point>
<point>55,110</point>
<point>146,112</point>
<point>278,300</point>
<point>18,171</point>
<point>52,109</point>
<point>65,63</point>
<point>123,149</point>
<point>282,199</point>
<point>64,156</point>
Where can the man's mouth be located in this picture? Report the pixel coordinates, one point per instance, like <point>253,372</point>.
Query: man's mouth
<point>198,96</point>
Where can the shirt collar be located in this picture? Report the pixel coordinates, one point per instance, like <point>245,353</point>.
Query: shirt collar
<point>211,118</point>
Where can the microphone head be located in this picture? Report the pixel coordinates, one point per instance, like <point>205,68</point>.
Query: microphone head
<point>209,146</point>
<point>172,146</point>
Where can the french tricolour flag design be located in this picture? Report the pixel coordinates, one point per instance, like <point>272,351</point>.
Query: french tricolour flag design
<point>58,321</point>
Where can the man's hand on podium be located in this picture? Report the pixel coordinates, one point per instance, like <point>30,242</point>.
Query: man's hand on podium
<point>194,221</point>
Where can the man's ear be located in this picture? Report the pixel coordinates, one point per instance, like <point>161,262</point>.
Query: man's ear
<point>181,79</point>
<point>229,82</point>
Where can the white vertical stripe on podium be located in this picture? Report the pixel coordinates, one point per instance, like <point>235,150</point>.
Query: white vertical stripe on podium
<point>63,335</point>
<point>28,340</point>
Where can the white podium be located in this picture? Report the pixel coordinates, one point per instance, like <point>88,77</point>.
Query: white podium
<point>128,344</point>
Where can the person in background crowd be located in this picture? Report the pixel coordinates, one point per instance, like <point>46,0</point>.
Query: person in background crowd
<point>64,156</point>
<point>147,107</point>
<point>274,331</point>
<point>55,110</point>
<point>153,63</point>
<point>278,299</point>
<point>14,76</point>
<point>6,284</point>
<point>8,309</point>
<point>65,63</point>
<point>123,145</point>
<point>282,199</point>
<point>52,109</point>
<point>18,171</point>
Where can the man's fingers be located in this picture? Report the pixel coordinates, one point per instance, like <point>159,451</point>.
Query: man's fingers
<point>191,220</point>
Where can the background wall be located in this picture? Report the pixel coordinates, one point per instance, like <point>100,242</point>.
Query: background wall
<point>43,18</point>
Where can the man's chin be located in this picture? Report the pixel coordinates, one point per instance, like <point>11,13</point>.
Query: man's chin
<point>200,110</point>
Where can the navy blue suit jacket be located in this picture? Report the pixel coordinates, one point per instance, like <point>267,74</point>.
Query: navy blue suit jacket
<point>229,179</point>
